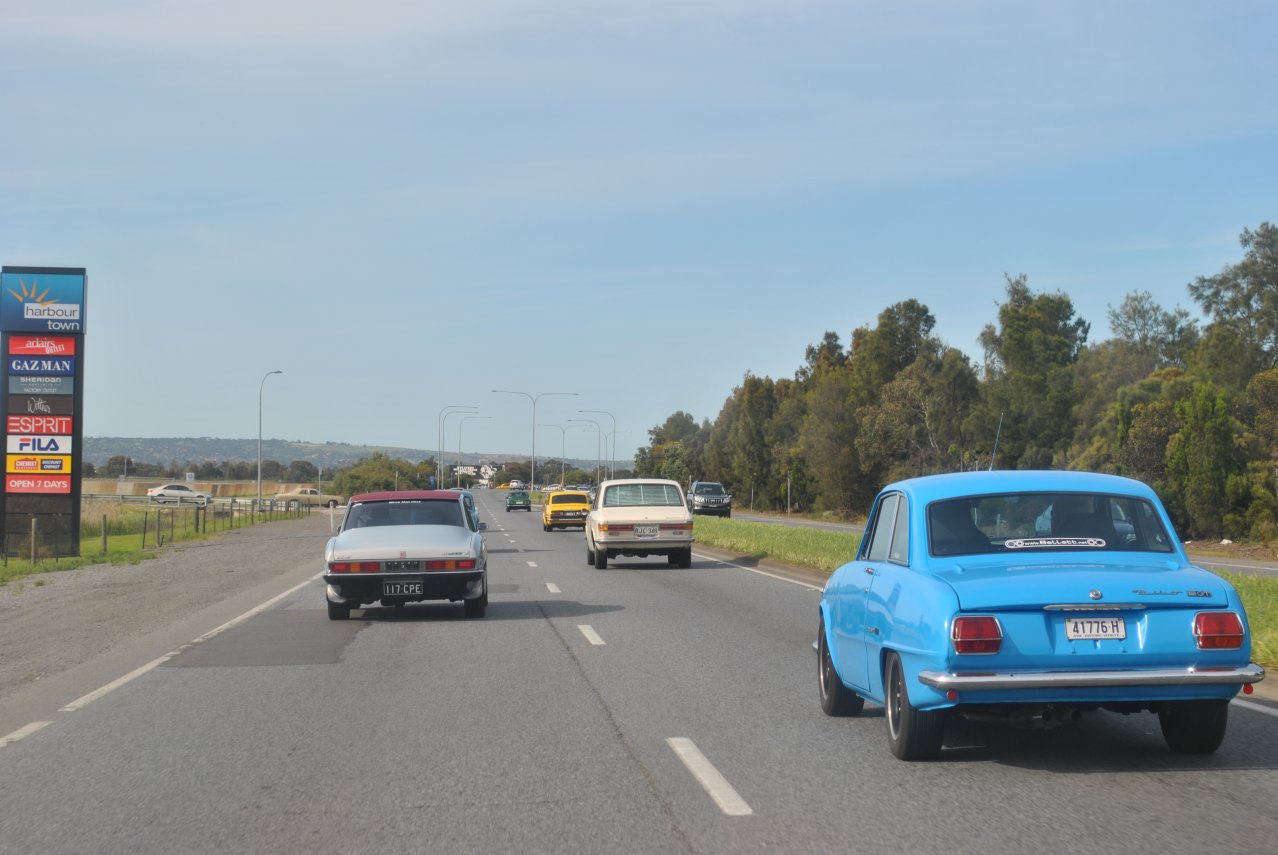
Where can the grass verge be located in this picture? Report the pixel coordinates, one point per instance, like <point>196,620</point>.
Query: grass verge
<point>125,542</point>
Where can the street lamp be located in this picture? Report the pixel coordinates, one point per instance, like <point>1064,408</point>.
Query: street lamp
<point>612,455</point>
<point>532,463</point>
<point>457,470</point>
<point>439,437</point>
<point>598,433</point>
<point>260,387</point>
<point>563,447</point>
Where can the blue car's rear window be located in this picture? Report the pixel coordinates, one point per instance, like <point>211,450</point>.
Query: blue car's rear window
<point>1037,522</point>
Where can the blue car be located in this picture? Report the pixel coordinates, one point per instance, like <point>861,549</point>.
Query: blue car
<point>1031,596</point>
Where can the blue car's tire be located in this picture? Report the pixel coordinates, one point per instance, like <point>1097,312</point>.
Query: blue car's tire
<point>1194,727</point>
<point>913,734</point>
<point>836,698</point>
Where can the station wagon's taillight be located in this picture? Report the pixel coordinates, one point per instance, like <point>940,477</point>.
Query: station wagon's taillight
<point>1218,630</point>
<point>354,567</point>
<point>976,634</point>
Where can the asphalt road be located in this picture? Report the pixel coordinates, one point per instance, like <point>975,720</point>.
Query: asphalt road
<point>640,708</point>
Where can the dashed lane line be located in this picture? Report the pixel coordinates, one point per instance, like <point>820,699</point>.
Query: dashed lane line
<point>23,732</point>
<point>760,572</point>
<point>553,588</point>
<point>591,636</point>
<point>727,798</point>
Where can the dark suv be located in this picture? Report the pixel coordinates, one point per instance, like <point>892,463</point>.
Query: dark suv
<point>709,497</point>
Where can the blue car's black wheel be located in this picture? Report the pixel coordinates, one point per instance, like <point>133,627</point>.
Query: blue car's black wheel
<point>836,698</point>
<point>913,734</point>
<point>1194,727</point>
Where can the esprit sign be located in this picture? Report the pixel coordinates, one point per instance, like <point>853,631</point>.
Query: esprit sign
<point>58,425</point>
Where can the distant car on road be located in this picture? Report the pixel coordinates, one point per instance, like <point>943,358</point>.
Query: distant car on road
<point>176,493</point>
<point>709,497</point>
<point>967,598</point>
<point>640,517</point>
<point>308,496</point>
<point>406,546</point>
<point>517,500</point>
<point>564,508</point>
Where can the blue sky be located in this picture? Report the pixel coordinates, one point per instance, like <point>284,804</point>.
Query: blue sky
<point>403,205</point>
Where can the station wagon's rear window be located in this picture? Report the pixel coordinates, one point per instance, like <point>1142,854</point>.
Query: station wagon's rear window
<point>635,495</point>
<point>405,512</point>
<point>1044,522</point>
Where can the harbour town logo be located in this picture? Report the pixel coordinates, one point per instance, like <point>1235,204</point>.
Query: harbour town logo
<point>37,305</point>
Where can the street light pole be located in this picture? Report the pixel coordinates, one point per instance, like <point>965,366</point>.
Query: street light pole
<point>532,463</point>
<point>599,473</point>
<point>439,438</point>
<point>457,469</point>
<point>260,387</point>
<point>612,455</point>
<point>563,448</point>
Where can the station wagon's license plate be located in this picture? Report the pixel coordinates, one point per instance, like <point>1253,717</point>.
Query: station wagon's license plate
<point>1095,629</point>
<point>648,530</point>
<point>401,589</point>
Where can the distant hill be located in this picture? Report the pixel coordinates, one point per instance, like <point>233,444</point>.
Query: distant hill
<point>330,455</point>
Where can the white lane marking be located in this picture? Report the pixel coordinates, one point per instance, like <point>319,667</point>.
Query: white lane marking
<point>532,563</point>
<point>84,701</point>
<point>761,572</point>
<point>591,636</point>
<point>727,798</point>
<point>1207,562</point>
<point>23,731</point>
<point>1256,707</point>
<point>553,588</point>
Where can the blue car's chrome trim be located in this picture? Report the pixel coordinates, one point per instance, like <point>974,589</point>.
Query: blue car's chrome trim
<point>988,682</point>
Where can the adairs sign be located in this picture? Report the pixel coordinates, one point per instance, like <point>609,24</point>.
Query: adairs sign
<point>49,345</point>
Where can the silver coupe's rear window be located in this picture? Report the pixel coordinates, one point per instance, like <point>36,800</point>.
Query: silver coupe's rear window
<point>1038,522</point>
<point>634,495</point>
<point>404,512</point>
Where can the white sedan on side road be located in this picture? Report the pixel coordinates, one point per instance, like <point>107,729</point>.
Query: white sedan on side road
<point>177,493</point>
<point>639,517</point>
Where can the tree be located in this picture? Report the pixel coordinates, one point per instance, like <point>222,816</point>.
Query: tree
<point>1029,377</point>
<point>917,426</point>
<point>1244,296</point>
<point>1152,337</point>
<point>1201,458</point>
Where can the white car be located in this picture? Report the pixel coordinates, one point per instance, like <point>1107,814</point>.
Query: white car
<point>407,546</point>
<point>177,493</point>
<point>639,517</point>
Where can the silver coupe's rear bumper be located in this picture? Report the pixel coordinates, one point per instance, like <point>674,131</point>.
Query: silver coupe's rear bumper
<point>990,682</point>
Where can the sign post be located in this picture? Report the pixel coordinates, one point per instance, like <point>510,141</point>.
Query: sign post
<point>42,345</point>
